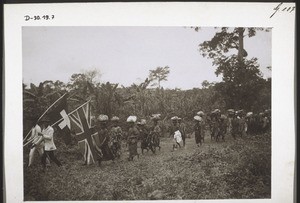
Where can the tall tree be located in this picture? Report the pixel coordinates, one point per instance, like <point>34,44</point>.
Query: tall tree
<point>93,76</point>
<point>241,76</point>
<point>140,96</point>
<point>81,85</point>
<point>205,84</point>
<point>159,74</point>
<point>107,98</point>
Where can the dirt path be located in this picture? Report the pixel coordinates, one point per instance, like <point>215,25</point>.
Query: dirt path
<point>205,172</point>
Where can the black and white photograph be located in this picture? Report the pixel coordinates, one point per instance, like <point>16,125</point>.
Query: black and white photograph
<point>145,113</point>
<point>153,112</point>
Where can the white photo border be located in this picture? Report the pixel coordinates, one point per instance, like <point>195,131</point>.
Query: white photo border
<point>159,14</point>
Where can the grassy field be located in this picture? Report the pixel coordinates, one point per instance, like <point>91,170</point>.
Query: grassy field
<point>234,169</point>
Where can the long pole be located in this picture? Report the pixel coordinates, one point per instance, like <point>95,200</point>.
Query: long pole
<point>44,114</point>
<point>71,112</point>
<point>29,141</point>
<point>27,134</point>
<point>61,119</point>
<point>51,106</point>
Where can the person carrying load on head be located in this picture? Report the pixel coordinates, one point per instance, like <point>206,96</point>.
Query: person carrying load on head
<point>235,124</point>
<point>155,132</point>
<point>230,115</point>
<point>242,123</point>
<point>145,137</point>
<point>269,118</point>
<point>132,138</point>
<point>175,133</point>
<point>265,122</point>
<point>116,136</point>
<point>105,152</point>
<point>223,127</point>
<point>215,122</point>
<point>198,130</point>
<point>174,127</point>
<point>202,123</point>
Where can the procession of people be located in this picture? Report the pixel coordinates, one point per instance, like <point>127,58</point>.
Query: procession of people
<point>110,135</point>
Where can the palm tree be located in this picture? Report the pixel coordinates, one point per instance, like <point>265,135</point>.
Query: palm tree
<point>159,74</point>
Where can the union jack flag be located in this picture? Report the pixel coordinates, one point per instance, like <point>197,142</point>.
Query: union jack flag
<point>86,135</point>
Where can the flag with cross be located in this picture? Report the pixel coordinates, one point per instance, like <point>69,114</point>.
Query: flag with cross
<point>57,111</point>
<point>85,133</point>
<point>60,114</point>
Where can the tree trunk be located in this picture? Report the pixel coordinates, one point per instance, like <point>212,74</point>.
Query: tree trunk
<point>241,43</point>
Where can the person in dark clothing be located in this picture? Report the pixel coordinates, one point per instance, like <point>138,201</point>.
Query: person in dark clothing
<point>230,114</point>
<point>223,127</point>
<point>116,135</point>
<point>235,126</point>
<point>198,130</point>
<point>145,137</point>
<point>204,121</point>
<point>215,123</point>
<point>133,136</point>
<point>155,132</point>
<point>182,129</point>
<point>103,136</point>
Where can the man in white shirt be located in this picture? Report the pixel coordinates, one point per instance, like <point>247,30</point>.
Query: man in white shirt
<point>47,134</point>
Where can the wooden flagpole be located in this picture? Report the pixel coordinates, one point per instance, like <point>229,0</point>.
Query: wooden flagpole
<point>61,119</point>
<point>71,112</point>
<point>44,114</point>
<point>51,106</point>
<point>27,134</point>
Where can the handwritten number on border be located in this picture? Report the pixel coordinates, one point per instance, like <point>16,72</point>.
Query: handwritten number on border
<point>279,7</point>
<point>38,17</point>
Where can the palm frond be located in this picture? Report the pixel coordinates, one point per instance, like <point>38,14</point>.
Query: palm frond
<point>29,94</point>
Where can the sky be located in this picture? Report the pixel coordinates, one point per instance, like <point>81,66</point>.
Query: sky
<point>125,55</point>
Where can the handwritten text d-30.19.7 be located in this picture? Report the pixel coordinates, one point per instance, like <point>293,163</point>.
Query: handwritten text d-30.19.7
<point>38,17</point>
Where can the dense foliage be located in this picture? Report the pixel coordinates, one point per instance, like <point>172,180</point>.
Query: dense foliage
<point>142,100</point>
<point>242,80</point>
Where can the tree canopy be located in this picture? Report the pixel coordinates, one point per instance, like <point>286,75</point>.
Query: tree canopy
<point>242,78</point>
<point>159,74</point>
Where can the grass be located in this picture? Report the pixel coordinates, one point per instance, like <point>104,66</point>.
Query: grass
<point>234,169</point>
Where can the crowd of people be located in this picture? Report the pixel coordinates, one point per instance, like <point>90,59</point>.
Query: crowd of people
<point>110,135</point>
<point>236,123</point>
